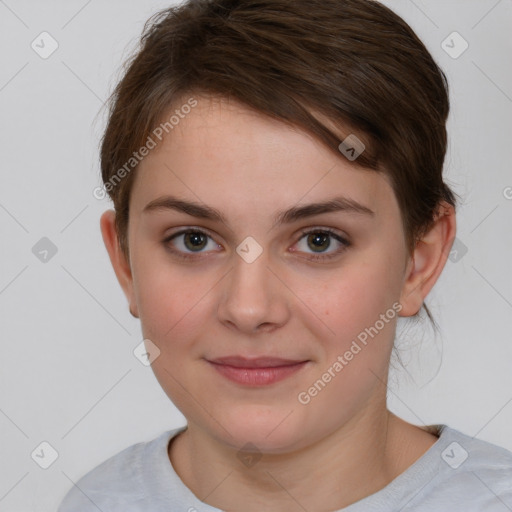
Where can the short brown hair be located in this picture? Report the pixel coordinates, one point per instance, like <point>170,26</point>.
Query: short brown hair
<point>355,62</point>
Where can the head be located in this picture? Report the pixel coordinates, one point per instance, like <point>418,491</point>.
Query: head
<point>240,107</point>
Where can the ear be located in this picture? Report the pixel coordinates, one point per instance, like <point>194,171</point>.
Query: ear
<point>117,258</point>
<point>428,260</point>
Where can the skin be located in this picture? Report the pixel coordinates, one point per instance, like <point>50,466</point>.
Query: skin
<point>344,444</point>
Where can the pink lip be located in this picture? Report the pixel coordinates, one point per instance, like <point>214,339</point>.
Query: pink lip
<point>259,371</point>
<point>255,362</point>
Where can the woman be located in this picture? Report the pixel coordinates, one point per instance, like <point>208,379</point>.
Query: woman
<point>276,173</point>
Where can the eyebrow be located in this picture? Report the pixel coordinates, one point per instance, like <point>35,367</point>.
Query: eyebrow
<point>336,204</point>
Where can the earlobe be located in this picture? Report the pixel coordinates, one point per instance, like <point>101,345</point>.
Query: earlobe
<point>428,260</point>
<point>121,266</point>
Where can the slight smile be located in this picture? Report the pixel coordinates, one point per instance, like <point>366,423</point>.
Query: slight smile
<point>261,371</point>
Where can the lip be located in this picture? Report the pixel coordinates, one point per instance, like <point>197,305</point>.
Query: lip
<point>255,362</point>
<point>260,371</point>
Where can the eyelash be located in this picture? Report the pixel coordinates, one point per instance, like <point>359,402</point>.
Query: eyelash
<point>316,257</point>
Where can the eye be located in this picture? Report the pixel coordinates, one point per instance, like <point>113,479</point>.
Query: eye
<point>192,243</point>
<point>319,240</point>
<point>189,241</point>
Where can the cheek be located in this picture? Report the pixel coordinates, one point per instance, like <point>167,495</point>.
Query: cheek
<point>351,304</point>
<point>173,309</point>
<point>171,302</point>
<point>348,300</point>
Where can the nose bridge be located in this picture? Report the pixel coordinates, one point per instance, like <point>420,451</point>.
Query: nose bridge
<point>251,296</point>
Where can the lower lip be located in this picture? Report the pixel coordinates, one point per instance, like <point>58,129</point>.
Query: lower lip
<point>257,376</point>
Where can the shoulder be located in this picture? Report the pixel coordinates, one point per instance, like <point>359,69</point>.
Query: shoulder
<point>470,471</point>
<point>118,480</point>
<point>463,454</point>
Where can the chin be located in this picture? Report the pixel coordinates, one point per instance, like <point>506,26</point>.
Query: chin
<point>271,431</point>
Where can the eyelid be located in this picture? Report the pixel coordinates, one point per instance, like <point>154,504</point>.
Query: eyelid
<point>302,232</point>
<point>188,229</point>
<point>340,238</point>
<point>323,229</point>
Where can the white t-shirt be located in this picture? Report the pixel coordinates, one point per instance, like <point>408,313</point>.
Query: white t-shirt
<point>457,474</point>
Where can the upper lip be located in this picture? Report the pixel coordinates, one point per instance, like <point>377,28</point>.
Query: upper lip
<point>256,362</point>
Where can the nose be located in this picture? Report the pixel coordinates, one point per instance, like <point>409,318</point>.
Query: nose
<point>253,299</point>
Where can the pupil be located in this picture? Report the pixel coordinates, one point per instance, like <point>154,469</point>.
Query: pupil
<point>317,237</point>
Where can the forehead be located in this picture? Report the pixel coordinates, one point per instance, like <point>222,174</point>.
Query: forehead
<point>225,154</point>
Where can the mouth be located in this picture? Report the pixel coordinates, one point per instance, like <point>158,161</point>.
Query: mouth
<point>261,371</point>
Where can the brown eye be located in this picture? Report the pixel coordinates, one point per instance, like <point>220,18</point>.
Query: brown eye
<point>189,241</point>
<point>195,240</point>
<point>319,241</point>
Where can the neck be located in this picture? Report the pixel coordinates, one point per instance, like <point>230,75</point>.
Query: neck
<point>357,460</point>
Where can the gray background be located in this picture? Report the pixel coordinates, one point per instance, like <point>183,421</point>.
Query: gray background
<point>68,375</point>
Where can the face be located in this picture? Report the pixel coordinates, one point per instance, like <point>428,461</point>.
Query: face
<point>255,282</point>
